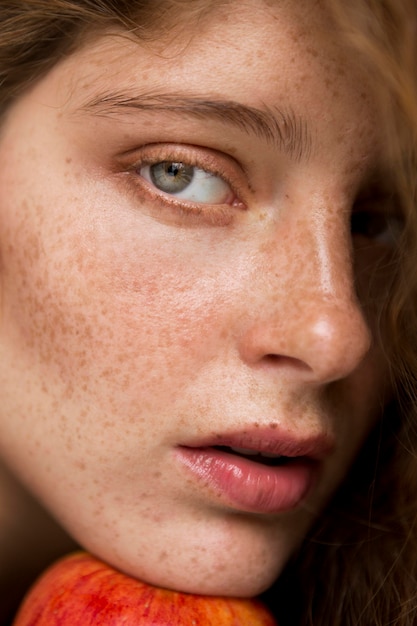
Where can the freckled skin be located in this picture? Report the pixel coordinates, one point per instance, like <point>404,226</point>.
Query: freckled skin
<point>126,332</point>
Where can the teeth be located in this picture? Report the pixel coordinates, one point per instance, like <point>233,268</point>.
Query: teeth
<point>271,455</point>
<point>247,452</point>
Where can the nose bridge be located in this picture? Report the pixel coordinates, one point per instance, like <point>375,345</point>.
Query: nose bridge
<point>314,317</point>
<point>312,264</point>
<point>329,268</point>
<point>327,254</point>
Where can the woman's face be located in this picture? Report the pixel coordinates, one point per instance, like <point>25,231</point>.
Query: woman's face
<point>188,365</point>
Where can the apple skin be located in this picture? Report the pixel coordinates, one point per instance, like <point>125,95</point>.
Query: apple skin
<point>80,590</point>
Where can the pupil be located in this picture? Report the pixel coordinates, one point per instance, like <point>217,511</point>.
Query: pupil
<point>171,177</point>
<point>173,169</point>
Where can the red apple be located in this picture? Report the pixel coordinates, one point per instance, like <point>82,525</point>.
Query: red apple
<point>80,590</point>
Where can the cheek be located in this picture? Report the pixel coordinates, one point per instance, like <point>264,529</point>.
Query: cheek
<point>102,330</point>
<point>98,310</point>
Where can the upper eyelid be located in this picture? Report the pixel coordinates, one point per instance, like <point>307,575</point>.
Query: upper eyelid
<point>192,154</point>
<point>378,185</point>
<point>381,200</point>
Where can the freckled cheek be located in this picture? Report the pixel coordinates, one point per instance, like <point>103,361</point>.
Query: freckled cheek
<point>100,319</point>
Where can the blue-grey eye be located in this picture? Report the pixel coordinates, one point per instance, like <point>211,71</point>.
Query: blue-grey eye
<point>171,177</point>
<point>187,182</point>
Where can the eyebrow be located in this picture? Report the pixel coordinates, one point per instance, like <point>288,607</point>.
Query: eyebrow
<point>282,128</point>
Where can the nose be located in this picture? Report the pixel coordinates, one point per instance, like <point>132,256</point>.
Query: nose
<point>305,315</point>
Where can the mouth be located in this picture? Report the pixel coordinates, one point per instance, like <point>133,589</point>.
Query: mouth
<point>255,456</point>
<point>258,472</point>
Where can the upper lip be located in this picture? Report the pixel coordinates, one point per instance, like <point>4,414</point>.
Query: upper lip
<point>270,440</point>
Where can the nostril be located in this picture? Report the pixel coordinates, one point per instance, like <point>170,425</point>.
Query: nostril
<point>282,359</point>
<point>273,358</point>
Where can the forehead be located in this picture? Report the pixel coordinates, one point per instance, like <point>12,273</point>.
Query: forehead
<point>228,39</point>
<point>279,55</point>
<point>297,44</point>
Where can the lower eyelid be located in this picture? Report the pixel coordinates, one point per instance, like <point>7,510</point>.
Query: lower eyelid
<point>168,209</point>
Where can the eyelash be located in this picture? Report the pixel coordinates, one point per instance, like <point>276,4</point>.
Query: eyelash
<point>215,165</point>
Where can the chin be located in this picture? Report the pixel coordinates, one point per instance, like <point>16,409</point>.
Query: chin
<point>230,573</point>
<point>242,584</point>
<point>250,587</point>
<point>225,554</point>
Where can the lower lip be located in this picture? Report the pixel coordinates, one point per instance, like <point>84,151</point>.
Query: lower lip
<point>249,486</point>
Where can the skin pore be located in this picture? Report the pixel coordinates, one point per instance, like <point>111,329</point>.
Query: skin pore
<point>141,323</point>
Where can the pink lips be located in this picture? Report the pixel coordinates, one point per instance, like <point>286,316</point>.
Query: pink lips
<point>247,485</point>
